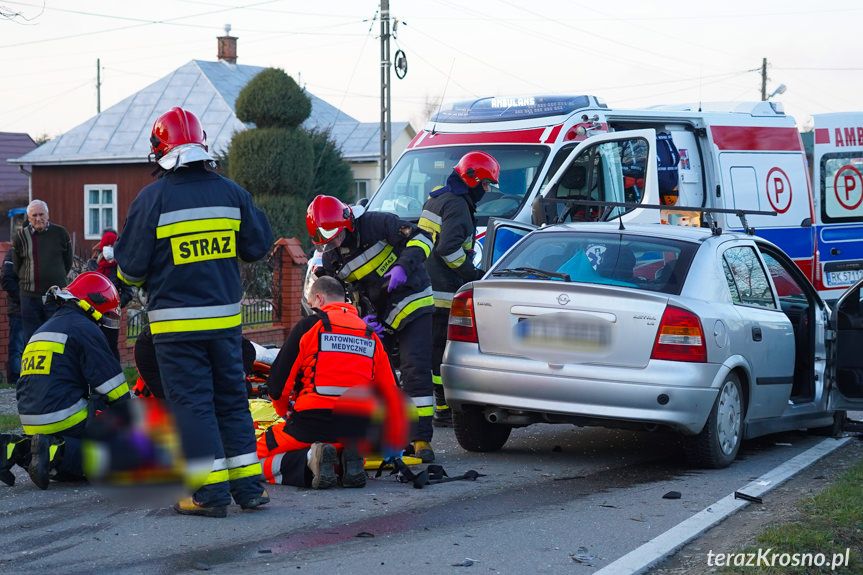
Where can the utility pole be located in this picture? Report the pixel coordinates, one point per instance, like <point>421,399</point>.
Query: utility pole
<point>764,80</point>
<point>386,128</point>
<point>98,87</point>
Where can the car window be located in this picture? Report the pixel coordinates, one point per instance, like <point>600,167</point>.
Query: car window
<point>746,277</point>
<point>653,264</point>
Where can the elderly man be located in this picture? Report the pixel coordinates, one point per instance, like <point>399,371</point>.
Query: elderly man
<point>42,257</point>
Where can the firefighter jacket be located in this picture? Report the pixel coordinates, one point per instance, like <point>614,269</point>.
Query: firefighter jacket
<point>182,240</point>
<point>66,361</point>
<point>448,216</point>
<point>380,241</point>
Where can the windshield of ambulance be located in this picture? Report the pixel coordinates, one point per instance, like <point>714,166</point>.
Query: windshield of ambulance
<point>418,172</point>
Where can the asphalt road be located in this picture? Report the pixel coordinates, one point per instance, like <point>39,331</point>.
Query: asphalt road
<point>556,499</point>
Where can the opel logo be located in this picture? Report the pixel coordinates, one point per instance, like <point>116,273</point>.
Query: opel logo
<point>563,299</point>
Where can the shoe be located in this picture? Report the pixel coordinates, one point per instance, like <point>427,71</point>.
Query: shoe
<point>442,416</point>
<point>261,499</point>
<point>189,506</point>
<point>353,469</point>
<point>44,458</point>
<point>424,451</point>
<point>14,449</point>
<point>322,462</point>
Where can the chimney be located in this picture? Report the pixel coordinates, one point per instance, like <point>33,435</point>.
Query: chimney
<point>228,46</point>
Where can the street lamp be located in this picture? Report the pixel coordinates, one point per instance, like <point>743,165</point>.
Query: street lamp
<point>780,89</point>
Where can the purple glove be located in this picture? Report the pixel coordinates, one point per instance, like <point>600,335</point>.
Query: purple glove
<point>397,276</point>
<point>372,321</point>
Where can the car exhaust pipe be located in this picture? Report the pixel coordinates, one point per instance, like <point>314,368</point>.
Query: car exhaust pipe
<point>495,417</point>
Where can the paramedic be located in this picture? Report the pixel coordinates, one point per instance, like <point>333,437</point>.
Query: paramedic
<point>324,356</point>
<point>449,217</point>
<point>383,257</point>
<point>67,373</point>
<point>183,239</point>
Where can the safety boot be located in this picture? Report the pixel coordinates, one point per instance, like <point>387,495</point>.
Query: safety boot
<point>261,499</point>
<point>322,463</point>
<point>353,470</point>
<point>46,453</point>
<point>189,506</point>
<point>423,450</point>
<point>442,416</point>
<point>13,449</point>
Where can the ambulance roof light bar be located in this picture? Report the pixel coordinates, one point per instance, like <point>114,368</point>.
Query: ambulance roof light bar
<point>496,109</point>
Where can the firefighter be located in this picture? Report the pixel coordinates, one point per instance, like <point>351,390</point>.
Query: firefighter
<point>383,257</point>
<point>184,237</point>
<point>449,216</point>
<point>329,358</point>
<point>68,372</point>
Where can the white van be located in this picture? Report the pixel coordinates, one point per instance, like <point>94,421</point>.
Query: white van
<point>835,152</point>
<point>737,156</point>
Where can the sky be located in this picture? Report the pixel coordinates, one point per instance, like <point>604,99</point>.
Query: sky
<point>630,53</point>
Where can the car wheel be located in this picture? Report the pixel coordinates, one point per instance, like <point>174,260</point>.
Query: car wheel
<point>474,433</point>
<point>833,430</point>
<point>718,443</point>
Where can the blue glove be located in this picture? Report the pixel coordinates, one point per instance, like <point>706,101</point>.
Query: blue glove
<point>372,321</point>
<point>397,276</point>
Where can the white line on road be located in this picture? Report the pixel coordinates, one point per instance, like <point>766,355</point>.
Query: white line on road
<point>641,559</point>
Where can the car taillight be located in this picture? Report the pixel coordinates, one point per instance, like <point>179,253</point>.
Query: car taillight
<point>462,326</point>
<point>680,337</point>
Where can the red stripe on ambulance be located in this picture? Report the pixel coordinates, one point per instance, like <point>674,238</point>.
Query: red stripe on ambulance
<point>531,136</point>
<point>756,138</point>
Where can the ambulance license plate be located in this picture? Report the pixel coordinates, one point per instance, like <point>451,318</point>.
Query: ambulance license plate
<point>843,278</point>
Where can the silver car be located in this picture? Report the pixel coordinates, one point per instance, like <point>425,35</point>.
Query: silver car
<point>718,336</point>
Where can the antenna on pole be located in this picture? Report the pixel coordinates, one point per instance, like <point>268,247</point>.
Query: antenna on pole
<point>98,86</point>
<point>764,80</point>
<point>386,127</point>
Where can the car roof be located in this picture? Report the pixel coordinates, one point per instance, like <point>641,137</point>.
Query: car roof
<point>683,233</point>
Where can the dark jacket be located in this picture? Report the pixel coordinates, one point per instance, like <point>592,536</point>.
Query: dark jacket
<point>65,362</point>
<point>380,241</point>
<point>448,216</point>
<point>184,237</point>
<point>9,281</point>
<point>41,259</point>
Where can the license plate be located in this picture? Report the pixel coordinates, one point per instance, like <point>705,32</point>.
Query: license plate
<point>843,278</point>
<point>564,332</point>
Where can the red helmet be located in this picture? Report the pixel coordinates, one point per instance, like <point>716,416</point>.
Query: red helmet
<point>474,167</point>
<point>175,128</point>
<point>99,292</point>
<point>326,217</point>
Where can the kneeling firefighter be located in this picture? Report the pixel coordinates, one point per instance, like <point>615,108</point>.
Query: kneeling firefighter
<point>68,372</point>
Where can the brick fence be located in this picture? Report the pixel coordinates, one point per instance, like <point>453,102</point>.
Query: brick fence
<point>289,265</point>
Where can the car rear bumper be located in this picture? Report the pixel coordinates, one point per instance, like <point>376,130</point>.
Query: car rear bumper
<point>657,394</point>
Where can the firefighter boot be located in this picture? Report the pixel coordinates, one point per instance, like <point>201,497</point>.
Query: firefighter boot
<point>322,463</point>
<point>254,502</point>
<point>46,453</point>
<point>13,449</point>
<point>424,451</point>
<point>189,506</point>
<point>353,470</point>
<point>442,413</point>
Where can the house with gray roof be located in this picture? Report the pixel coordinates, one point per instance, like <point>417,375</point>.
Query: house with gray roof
<point>90,174</point>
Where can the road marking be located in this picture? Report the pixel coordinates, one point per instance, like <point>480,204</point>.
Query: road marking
<point>641,559</point>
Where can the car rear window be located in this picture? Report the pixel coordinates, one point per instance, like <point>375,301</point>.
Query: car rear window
<point>648,263</point>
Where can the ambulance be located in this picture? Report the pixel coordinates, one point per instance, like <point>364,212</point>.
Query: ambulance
<point>835,152</point>
<point>732,157</point>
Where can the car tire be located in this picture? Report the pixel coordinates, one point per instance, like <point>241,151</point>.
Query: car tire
<point>474,433</point>
<point>719,441</point>
<point>835,429</point>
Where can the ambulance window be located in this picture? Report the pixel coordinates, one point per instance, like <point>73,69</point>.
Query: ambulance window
<point>841,187</point>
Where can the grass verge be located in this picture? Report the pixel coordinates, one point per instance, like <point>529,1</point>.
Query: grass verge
<point>9,422</point>
<point>826,536</point>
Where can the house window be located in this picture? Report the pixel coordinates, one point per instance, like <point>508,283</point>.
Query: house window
<point>100,209</point>
<point>361,189</point>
